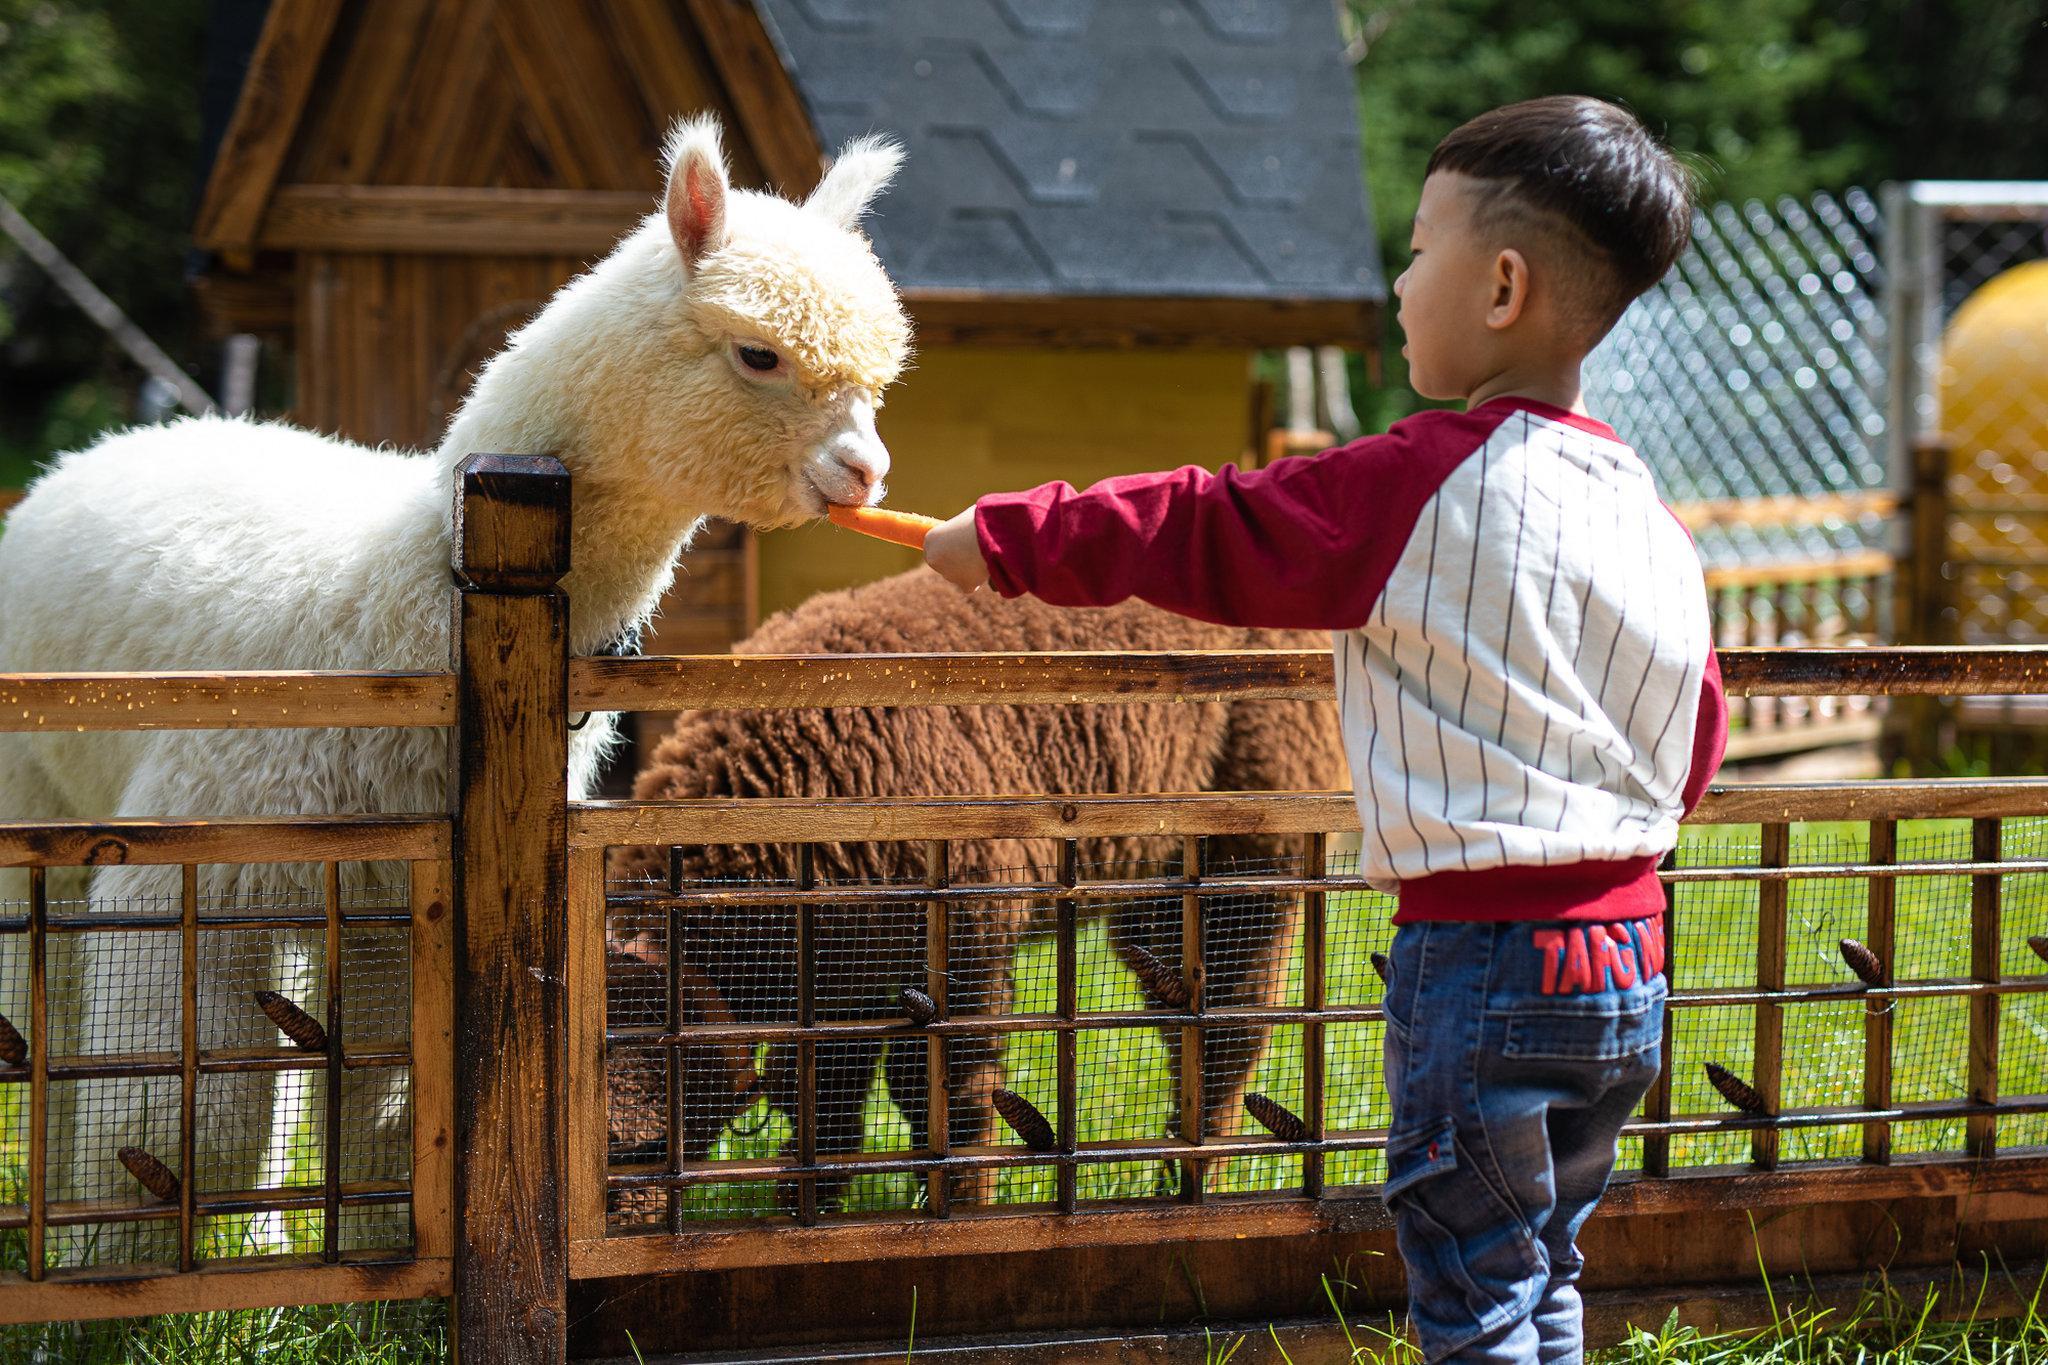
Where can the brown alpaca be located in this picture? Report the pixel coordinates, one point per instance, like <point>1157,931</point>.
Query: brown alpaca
<point>867,955</point>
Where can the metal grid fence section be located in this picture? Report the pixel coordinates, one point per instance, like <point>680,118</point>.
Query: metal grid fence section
<point>190,1079</point>
<point>1757,369</point>
<point>1840,991</point>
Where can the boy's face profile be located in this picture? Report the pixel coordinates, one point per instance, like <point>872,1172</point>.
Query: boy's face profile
<point>1459,295</point>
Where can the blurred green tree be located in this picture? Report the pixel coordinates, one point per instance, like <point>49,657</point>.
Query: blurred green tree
<point>99,133</point>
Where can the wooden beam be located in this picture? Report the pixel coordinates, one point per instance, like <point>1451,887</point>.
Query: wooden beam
<point>1860,564</point>
<point>770,820</point>
<point>1142,1223</point>
<point>266,116</point>
<point>438,219</point>
<point>1789,510</point>
<point>679,683</point>
<point>771,113</point>
<point>269,839</point>
<point>247,700</point>
<point>262,302</point>
<point>785,820</point>
<point>779,681</point>
<point>263,1282</point>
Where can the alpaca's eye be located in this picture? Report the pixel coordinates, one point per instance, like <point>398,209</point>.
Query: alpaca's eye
<point>759,358</point>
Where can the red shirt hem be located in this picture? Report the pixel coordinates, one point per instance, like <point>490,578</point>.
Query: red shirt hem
<point>1592,891</point>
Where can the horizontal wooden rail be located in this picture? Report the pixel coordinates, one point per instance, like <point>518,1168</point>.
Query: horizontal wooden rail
<point>772,682</point>
<point>767,681</point>
<point>265,839</point>
<point>772,820</point>
<point>70,702</point>
<point>1267,1215</point>
<point>797,820</point>
<point>258,1282</point>
<point>1784,511</point>
<point>224,701</point>
<point>1858,564</point>
<point>1886,671</point>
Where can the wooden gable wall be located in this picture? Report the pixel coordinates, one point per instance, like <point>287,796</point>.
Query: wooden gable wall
<point>506,94</point>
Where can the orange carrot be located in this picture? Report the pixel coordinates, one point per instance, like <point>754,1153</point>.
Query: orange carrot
<point>898,528</point>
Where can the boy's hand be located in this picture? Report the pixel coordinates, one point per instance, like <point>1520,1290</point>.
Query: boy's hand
<point>954,550</point>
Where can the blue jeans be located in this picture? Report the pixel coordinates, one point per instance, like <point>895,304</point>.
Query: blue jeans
<point>1515,1052</point>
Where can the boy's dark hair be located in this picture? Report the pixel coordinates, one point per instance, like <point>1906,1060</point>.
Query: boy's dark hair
<point>1583,162</point>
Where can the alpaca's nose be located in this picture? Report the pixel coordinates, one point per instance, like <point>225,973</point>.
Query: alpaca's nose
<point>855,458</point>
<point>865,469</point>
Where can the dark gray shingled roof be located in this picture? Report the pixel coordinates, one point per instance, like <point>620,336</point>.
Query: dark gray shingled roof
<point>1193,148</point>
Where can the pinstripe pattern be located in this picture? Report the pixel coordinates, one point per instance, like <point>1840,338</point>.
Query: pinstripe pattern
<point>1546,627</point>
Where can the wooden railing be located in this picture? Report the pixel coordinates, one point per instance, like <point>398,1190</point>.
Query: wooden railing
<point>510,1037</point>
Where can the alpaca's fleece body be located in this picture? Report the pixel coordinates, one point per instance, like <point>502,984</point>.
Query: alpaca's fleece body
<point>868,956</point>
<point>222,544</point>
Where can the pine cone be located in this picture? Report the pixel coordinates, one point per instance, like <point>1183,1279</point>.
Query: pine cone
<point>1863,962</point>
<point>297,1025</point>
<point>1735,1090</point>
<point>921,1008</point>
<point>1276,1118</point>
<point>1384,965</point>
<point>1165,985</point>
<point>1024,1120</point>
<point>13,1047</point>
<point>153,1175</point>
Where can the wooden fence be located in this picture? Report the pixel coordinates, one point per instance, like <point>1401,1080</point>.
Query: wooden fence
<point>514,1184</point>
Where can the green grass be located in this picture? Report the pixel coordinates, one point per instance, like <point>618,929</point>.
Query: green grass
<point>360,1334</point>
<point>1938,1327</point>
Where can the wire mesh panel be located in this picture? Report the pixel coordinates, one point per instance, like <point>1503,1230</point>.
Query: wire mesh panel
<point>946,1028</point>
<point>1756,369</point>
<point>192,1074</point>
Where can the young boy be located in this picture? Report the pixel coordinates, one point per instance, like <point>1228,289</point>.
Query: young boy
<point>1527,686</point>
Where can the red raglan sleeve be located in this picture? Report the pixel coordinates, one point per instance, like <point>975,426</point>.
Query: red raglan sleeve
<point>1305,543</point>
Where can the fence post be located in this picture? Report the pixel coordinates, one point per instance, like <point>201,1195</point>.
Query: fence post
<point>1926,615</point>
<point>510,799</point>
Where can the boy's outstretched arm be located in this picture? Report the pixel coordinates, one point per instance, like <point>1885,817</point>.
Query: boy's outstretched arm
<point>1306,542</point>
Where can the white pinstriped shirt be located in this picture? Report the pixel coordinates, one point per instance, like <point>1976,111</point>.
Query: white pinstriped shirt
<point>1523,648</point>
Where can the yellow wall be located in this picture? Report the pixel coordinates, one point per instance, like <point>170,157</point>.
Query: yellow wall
<point>967,421</point>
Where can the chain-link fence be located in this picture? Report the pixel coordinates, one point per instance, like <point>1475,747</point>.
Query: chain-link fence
<point>1974,311</point>
<point>1756,370</point>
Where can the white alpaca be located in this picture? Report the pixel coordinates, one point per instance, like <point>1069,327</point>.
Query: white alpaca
<point>726,359</point>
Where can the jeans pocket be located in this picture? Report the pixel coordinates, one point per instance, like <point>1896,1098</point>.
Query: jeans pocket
<point>1471,1262</point>
<point>1607,1028</point>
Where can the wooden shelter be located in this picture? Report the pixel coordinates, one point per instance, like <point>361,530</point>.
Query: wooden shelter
<point>1106,210</point>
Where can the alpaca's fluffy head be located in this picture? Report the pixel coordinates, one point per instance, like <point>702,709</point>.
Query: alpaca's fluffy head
<point>726,360</point>
<point>786,329</point>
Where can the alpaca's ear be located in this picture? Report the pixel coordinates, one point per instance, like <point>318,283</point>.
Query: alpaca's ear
<point>864,169</point>
<point>697,186</point>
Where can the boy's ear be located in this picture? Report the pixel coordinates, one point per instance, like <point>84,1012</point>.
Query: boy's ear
<point>1510,289</point>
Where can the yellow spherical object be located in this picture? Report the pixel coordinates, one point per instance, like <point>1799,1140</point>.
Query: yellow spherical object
<point>1994,414</point>
<point>1994,376</point>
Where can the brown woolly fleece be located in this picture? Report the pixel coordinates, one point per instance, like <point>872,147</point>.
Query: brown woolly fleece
<point>740,965</point>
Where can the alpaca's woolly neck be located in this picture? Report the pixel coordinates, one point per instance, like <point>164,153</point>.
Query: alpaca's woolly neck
<point>561,388</point>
